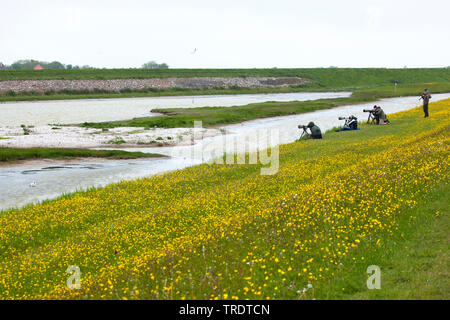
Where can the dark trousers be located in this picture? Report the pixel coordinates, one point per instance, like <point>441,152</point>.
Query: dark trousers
<point>425,109</point>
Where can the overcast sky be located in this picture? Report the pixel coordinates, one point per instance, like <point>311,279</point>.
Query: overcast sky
<point>228,34</point>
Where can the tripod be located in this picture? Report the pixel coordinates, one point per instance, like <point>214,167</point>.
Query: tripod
<point>304,134</point>
<point>371,118</point>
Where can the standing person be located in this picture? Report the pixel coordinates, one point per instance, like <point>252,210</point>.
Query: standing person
<point>426,98</point>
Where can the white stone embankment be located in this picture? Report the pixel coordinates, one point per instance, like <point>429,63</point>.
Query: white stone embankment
<point>116,85</point>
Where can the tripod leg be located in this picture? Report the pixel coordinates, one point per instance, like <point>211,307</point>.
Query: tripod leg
<point>301,136</point>
<point>303,133</point>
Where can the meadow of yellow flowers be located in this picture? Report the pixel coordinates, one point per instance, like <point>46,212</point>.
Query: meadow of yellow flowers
<point>227,232</point>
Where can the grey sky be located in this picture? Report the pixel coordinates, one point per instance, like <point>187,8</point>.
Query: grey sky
<point>228,34</point>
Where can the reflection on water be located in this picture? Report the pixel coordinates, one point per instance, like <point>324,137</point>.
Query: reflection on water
<point>64,177</point>
<point>67,166</point>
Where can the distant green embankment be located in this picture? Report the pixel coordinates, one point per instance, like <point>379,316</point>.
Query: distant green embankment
<point>320,79</point>
<point>326,77</point>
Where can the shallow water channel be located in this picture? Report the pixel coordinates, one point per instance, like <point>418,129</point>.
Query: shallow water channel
<point>95,110</point>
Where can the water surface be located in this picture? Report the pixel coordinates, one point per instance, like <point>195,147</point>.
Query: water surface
<point>97,110</point>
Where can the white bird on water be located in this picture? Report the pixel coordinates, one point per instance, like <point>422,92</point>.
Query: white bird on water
<point>33,184</point>
<point>195,50</point>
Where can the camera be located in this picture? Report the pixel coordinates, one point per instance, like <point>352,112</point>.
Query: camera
<point>343,118</point>
<point>369,110</point>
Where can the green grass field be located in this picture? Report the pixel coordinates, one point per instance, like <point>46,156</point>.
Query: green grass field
<point>8,155</point>
<point>320,79</point>
<point>415,260</point>
<point>378,196</point>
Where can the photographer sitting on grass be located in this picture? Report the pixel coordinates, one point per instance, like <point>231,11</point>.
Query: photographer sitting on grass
<point>315,131</point>
<point>351,123</point>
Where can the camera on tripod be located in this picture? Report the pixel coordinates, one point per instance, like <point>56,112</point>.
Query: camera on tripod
<point>304,132</point>
<point>372,112</point>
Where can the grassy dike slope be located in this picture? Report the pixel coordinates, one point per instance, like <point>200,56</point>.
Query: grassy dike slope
<point>335,206</point>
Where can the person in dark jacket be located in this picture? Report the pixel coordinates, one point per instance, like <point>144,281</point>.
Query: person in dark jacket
<point>315,131</point>
<point>350,124</point>
<point>426,98</point>
<point>380,116</point>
